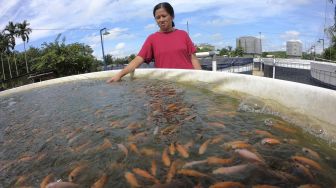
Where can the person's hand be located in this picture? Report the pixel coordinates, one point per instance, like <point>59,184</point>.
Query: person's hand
<point>115,78</point>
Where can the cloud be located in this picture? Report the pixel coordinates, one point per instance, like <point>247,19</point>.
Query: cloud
<point>151,27</point>
<point>119,50</point>
<point>120,46</point>
<point>197,35</point>
<point>290,35</point>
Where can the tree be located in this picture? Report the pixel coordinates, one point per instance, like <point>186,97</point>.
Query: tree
<point>23,32</point>
<point>10,32</point>
<point>3,46</point>
<point>239,51</point>
<point>109,59</point>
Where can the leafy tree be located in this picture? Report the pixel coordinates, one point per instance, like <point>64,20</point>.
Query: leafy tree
<point>238,52</point>
<point>109,59</point>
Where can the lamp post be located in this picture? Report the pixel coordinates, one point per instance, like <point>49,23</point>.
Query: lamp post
<point>322,43</point>
<point>102,44</point>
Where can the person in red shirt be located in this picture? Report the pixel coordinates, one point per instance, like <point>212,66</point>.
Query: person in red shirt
<point>169,47</point>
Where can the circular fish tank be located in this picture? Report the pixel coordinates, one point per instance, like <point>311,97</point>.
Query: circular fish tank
<point>167,128</point>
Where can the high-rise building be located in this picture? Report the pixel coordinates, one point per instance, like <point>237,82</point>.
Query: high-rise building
<point>251,45</point>
<point>294,48</point>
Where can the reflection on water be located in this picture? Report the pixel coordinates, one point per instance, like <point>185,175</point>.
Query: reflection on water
<point>147,133</point>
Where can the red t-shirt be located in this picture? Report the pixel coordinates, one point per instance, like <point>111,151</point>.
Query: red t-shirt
<point>169,50</point>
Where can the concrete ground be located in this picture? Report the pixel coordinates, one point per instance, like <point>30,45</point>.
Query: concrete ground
<point>257,72</point>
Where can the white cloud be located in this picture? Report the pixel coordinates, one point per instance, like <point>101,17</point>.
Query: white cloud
<point>151,27</point>
<point>197,35</point>
<point>290,35</point>
<point>120,46</point>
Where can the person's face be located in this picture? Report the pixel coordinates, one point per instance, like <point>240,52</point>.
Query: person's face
<point>163,19</point>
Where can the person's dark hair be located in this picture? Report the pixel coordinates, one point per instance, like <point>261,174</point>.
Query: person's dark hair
<point>167,7</point>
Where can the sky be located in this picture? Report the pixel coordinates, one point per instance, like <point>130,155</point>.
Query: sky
<point>129,22</point>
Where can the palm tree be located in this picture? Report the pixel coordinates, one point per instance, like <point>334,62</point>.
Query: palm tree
<point>3,45</point>
<point>6,45</point>
<point>23,32</point>
<point>11,33</point>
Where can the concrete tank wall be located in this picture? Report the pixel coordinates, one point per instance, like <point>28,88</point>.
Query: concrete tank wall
<point>310,107</point>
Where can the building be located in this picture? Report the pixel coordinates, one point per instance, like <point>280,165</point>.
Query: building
<point>294,49</point>
<point>251,45</point>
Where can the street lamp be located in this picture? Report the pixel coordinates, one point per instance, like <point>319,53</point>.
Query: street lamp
<point>102,44</point>
<point>322,43</point>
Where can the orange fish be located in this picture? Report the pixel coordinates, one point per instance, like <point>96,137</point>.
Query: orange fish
<point>172,149</point>
<point>101,182</point>
<point>217,139</point>
<point>172,171</point>
<point>192,163</point>
<point>270,141</point>
<point>311,153</point>
<point>230,170</point>
<point>98,130</point>
<point>134,148</point>
<point>216,124</point>
<point>130,178</point>
<point>81,147</point>
<point>153,168</point>
<point>215,160</point>
<point>309,186</point>
<point>249,155</point>
<point>302,169</point>
<point>48,179</point>
<point>165,158</point>
<point>264,133</point>
<point>148,152</point>
<point>62,185</point>
<point>236,145</point>
<point>145,174</point>
<point>284,128</point>
<point>183,152</point>
<point>193,173</point>
<point>306,161</point>
<point>228,184</point>
<point>21,181</point>
<point>106,144</point>
<point>264,186</point>
<point>76,172</point>
<point>189,117</point>
<point>123,149</point>
<point>26,158</point>
<point>204,147</point>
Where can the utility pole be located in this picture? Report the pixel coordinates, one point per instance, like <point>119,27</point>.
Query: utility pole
<point>322,43</point>
<point>188,27</point>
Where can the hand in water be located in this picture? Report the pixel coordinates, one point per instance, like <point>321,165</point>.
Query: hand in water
<point>115,78</point>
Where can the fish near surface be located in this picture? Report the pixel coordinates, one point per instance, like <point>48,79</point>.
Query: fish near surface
<point>73,176</point>
<point>216,160</point>
<point>311,153</point>
<point>101,182</point>
<point>249,155</point>
<point>62,185</point>
<point>228,184</point>
<point>165,157</point>
<point>48,179</point>
<point>182,150</point>
<point>131,179</point>
<point>204,147</point>
<point>230,170</point>
<point>306,161</point>
<point>193,173</point>
<point>145,174</point>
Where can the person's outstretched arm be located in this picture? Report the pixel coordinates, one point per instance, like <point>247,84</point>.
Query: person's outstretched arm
<point>195,62</point>
<point>136,62</point>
